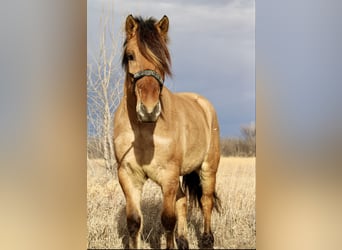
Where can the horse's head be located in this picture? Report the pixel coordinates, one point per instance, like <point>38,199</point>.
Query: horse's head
<point>146,60</point>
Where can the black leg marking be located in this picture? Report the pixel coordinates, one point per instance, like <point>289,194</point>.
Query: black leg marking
<point>207,241</point>
<point>168,222</point>
<point>133,224</point>
<point>182,243</point>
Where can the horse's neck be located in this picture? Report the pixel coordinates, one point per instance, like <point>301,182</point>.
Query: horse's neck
<point>166,99</point>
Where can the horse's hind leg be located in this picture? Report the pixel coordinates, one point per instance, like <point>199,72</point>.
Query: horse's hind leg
<point>132,187</point>
<point>181,209</point>
<point>208,179</point>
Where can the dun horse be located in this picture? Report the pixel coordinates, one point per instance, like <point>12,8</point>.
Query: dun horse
<point>162,136</point>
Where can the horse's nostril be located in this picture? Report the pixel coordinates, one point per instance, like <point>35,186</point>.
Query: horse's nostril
<point>148,110</point>
<point>143,108</point>
<point>157,109</point>
<point>148,115</point>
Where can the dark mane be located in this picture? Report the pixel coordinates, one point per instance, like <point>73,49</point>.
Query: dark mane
<point>152,45</point>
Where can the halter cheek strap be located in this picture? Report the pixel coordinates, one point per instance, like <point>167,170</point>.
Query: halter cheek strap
<point>148,72</point>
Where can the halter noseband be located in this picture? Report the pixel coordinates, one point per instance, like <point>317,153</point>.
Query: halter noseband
<point>148,72</point>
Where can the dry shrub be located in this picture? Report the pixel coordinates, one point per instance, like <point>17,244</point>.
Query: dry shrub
<point>233,228</point>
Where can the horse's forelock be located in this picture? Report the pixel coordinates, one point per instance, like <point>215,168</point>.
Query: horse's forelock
<point>152,45</point>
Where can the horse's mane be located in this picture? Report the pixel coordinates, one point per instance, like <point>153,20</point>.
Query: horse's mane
<point>151,44</point>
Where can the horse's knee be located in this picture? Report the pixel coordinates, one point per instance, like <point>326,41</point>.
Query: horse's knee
<point>133,224</point>
<point>168,220</point>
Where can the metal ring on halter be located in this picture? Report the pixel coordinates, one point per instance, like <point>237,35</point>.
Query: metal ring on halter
<point>148,72</point>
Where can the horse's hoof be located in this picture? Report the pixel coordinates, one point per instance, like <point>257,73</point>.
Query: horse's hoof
<point>182,243</point>
<point>207,241</point>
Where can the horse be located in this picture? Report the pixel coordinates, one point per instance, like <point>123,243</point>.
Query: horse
<point>170,138</point>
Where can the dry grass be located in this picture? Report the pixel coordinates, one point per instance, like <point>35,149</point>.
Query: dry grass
<point>234,228</point>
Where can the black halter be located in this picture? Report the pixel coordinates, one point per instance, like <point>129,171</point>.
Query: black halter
<point>148,72</point>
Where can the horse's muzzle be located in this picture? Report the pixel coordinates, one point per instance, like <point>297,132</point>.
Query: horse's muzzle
<point>146,115</point>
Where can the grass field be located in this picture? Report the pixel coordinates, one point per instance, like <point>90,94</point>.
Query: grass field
<point>234,228</point>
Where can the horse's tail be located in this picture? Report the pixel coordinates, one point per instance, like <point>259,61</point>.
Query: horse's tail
<point>192,185</point>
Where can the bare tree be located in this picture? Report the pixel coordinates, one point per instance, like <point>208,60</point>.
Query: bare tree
<point>249,135</point>
<point>244,145</point>
<point>104,87</point>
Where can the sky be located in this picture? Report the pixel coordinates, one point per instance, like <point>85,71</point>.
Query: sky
<point>212,45</point>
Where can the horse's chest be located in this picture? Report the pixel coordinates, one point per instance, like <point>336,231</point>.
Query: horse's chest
<point>157,148</point>
<point>144,150</point>
<point>150,156</point>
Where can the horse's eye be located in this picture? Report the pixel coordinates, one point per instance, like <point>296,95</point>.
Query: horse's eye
<point>130,57</point>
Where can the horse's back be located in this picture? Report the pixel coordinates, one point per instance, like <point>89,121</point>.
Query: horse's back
<point>202,104</point>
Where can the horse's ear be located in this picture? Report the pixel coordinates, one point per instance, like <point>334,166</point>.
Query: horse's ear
<point>163,25</point>
<point>131,26</point>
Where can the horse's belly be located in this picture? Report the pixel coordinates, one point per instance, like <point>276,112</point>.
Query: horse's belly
<point>191,163</point>
<point>194,153</point>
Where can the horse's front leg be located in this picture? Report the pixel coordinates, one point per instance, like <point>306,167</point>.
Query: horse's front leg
<point>181,211</point>
<point>168,218</point>
<point>132,186</point>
